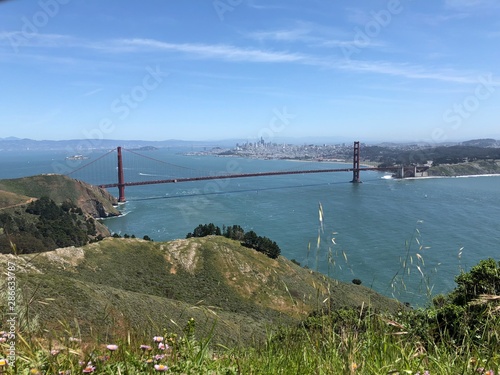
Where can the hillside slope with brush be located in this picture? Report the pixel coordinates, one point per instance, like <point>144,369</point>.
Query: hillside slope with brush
<point>116,286</point>
<point>92,200</point>
<point>42,213</point>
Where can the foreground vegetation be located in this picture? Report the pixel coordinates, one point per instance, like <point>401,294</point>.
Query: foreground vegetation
<point>458,334</point>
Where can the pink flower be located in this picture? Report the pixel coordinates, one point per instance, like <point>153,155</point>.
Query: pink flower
<point>145,347</point>
<point>159,357</point>
<point>88,369</point>
<point>158,338</point>
<point>161,368</point>
<point>112,347</point>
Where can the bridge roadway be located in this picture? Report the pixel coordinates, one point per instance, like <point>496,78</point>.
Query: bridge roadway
<point>241,175</point>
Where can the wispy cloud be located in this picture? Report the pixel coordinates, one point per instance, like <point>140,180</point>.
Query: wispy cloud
<point>410,71</point>
<point>93,92</point>
<point>254,5</point>
<point>312,36</point>
<point>232,53</point>
<point>17,40</point>
<point>471,5</point>
<point>439,19</point>
<point>211,51</point>
<point>282,35</point>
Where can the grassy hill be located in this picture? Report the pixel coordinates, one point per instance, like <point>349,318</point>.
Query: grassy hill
<point>9,199</point>
<point>115,286</point>
<point>91,199</point>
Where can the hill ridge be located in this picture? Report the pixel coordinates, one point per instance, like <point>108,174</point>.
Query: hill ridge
<point>130,282</point>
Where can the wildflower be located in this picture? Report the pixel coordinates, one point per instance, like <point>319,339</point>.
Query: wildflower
<point>159,357</point>
<point>54,352</point>
<point>354,366</point>
<point>3,339</point>
<point>89,369</point>
<point>112,347</point>
<point>162,346</point>
<point>161,368</point>
<point>35,371</point>
<point>145,347</point>
<point>149,361</point>
<point>158,339</point>
<point>3,362</point>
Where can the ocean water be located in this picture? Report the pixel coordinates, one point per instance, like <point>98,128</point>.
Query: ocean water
<point>404,238</point>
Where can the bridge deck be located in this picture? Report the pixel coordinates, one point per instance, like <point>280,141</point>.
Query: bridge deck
<point>242,175</point>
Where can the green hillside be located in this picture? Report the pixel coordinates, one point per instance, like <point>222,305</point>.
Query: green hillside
<point>115,286</point>
<point>91,199</point>
<point>9,199</point>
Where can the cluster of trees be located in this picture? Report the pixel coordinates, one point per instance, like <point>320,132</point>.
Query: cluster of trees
<point>204,230</point>
<point>235,232</point>
<point>46,226</point>
<point>145,238</point>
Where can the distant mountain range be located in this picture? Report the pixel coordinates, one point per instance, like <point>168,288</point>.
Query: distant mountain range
<point>78,146</point>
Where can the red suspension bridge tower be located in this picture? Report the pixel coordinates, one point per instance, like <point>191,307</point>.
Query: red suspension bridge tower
<point>355,164</point>
<point>121,177</point>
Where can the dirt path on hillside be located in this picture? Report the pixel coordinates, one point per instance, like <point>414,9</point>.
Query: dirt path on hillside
<point>19,204</point>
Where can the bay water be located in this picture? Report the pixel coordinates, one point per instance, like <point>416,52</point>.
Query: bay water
<point>403,238</point>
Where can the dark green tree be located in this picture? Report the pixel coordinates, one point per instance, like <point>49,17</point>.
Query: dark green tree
<point>250,239</point>
<point>234,232</point>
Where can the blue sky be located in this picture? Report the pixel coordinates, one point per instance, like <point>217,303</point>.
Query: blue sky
<point>369,70</point>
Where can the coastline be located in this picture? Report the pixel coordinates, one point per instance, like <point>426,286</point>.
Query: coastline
<point>443,177</point>
<point>329,161</point>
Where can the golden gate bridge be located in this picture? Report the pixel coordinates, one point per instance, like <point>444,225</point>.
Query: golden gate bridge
<point>121,183</point>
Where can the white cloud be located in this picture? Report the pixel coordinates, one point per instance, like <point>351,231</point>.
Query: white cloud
<point>93,92</point>
<point>231,53</point>
<point>209,51</point>
<point>471,4</point>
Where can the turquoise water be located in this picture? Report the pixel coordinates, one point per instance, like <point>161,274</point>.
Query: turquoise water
<point>375,225</point>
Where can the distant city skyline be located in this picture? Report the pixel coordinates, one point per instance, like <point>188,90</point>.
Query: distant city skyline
<point>373,70</point>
